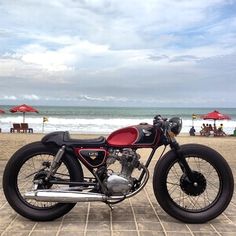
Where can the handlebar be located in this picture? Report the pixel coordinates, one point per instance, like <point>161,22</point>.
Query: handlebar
<point>174,124</point>
<point>160,122</point>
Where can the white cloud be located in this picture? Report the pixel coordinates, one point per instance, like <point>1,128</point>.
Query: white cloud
<point>9,98</point>
<point>102,98</point>
<point>16,97</point>
<point>61,59</point>
<point>110,50</point>
<point>31,97</point>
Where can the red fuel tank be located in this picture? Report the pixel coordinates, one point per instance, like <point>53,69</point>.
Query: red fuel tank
<point>143,135</point>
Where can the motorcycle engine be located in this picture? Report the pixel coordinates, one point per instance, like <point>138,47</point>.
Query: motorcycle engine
<point>119,180</point>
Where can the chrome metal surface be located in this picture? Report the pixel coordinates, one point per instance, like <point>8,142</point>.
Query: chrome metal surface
<point>49,195</point>
<point>118,185</point>
<point>64,196</point>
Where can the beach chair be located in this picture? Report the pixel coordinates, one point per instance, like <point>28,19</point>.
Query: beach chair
<point>25,128</point>
<point>205,132</point>
<point>219,132</point>
<point>16,127</point>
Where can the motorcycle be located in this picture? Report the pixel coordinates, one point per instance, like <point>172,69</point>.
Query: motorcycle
<point>44,180</point>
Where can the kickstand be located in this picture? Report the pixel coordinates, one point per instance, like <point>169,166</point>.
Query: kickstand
<point>111,207</point>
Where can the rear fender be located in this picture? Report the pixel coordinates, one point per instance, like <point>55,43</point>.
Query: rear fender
<point>56,138</point>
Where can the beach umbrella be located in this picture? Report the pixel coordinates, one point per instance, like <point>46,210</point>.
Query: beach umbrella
<point>23,108</point>
<point>215,115</point>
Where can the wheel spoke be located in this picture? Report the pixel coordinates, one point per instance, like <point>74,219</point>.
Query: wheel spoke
<point>213,186</point>
<point>34,173</point>
<point>177,184</point>
<point>177,175</point>
<point>30,169</point>
<point>198,199</point>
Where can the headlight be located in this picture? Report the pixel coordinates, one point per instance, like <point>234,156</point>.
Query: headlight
<point>175,125</point>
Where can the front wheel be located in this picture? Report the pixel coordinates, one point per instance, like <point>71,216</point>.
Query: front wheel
<point>198,201</point>
<point>32,162</point>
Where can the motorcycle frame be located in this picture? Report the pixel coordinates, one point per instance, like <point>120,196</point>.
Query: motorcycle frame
<point>160,140</point>
<point>92,171</point>
<point>163,136</point>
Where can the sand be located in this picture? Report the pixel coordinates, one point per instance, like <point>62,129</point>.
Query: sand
<point>224,145</point>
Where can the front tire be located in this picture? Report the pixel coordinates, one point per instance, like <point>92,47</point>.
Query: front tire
<point>198,202</point>
<point>28,163</point>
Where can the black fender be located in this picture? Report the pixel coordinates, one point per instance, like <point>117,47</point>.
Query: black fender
<point>56,138</point>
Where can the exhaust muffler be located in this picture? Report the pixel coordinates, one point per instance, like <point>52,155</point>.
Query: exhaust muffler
<point>64,196</point>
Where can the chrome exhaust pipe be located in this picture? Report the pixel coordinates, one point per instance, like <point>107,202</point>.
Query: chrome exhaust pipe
<point>67,196</point>
<point>64,196</point>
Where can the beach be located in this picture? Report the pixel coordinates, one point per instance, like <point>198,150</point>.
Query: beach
<point>10,142</point>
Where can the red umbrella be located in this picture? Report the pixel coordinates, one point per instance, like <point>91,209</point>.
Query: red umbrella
<point>215,115</point>
<point>23,108</point>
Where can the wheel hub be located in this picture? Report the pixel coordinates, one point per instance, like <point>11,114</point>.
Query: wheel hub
<point>40,179</point>
<point>193,188</point>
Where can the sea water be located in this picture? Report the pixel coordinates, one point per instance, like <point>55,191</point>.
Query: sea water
<point>103,120</point>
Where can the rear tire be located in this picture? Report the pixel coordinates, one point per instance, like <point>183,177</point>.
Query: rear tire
<point>201,202</point>
<point>21,170</point>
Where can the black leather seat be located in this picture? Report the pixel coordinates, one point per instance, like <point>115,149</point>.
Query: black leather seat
<point>63,138</point>
<point>100,141</point>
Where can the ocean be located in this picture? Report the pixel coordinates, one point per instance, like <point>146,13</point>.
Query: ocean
<point>103,120</point>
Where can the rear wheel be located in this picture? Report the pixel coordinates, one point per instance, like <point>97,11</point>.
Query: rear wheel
<point>32,162</point>
<point>201,200</point>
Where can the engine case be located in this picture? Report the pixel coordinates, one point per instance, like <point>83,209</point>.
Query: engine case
<point>117,185</point>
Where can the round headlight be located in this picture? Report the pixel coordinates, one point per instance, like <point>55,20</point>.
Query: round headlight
<point>175,125</point>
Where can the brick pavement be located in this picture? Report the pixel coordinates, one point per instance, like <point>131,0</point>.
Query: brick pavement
<point>137,216</point>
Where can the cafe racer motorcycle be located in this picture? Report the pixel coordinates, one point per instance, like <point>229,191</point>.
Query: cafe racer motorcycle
<point>44,180</point>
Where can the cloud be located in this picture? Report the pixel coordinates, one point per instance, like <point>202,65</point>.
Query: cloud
<point>31,97</point>
<point>61,59</point>
<point>106,52</point>
<point>8,98</point>
<point>25,97</point>
<point>102,99</point>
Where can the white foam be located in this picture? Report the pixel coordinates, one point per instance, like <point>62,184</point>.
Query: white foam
<point>97,125</point>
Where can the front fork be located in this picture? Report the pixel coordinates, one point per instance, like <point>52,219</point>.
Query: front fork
<point>181,160</point>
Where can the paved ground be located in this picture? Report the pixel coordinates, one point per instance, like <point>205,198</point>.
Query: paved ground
<point>140,215</point>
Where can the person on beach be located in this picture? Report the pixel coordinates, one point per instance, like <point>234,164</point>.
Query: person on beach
<point>220,131</point>
<point>221,127</point>
<point>207,128</point>
<point>211,130</point>
<point>203,130</point>
<point>234,132</point>
<point>215,128</point>
<point>192,131</point>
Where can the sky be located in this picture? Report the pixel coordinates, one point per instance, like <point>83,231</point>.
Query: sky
<point>152,53</point>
